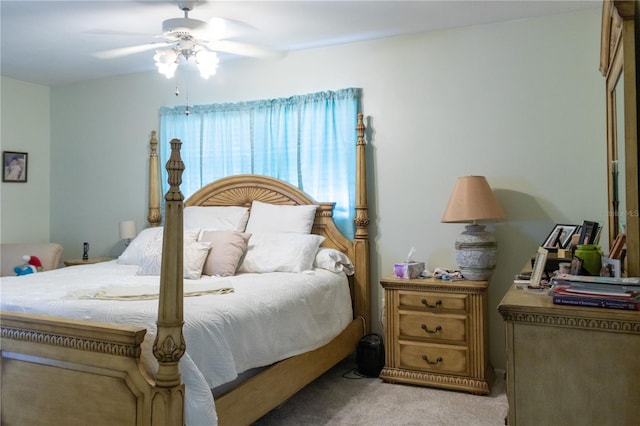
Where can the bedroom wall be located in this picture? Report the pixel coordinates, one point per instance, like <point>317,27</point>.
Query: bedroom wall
<point>520,102</point>
<point>25,127</point>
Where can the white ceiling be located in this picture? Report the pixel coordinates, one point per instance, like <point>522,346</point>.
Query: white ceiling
<point>51,42</point>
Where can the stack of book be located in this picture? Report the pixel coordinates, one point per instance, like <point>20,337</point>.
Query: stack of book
<point>597,292</point>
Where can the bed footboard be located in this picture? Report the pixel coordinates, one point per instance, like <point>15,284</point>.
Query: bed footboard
<point>78,373</point>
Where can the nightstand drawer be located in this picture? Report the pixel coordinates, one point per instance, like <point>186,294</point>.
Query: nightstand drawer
<point>413,299</point>
<point>445,359</point>
<point>434,326</point>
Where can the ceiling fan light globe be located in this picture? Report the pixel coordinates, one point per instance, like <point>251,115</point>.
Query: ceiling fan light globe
<point>207,63</point>
<point>168,70</point>
<point>165,57</point>
<point>207,58</point>
<point>207,71</point>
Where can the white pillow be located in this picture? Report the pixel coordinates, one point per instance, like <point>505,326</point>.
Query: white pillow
<point>216,218</point>
<point>195,254</point>
<point>135,250</point>
<point>266,217</point>
<point>333,260</point>
<point>280,252</point>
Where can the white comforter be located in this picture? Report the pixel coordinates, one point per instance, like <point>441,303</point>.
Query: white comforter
<point>267,317</point>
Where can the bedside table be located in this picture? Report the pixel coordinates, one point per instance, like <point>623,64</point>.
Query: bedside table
<point>436,334</point>
<point>91,260</point>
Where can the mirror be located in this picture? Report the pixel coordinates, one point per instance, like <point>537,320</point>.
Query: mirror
<point>615,150</point>
<point>618,64</point>
<point>618,169</point>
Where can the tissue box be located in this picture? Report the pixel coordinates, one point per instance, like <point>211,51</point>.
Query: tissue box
<point>408,270</point>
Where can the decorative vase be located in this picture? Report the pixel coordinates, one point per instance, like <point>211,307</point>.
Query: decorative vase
<point>591,256</point>
<point>476,251</point>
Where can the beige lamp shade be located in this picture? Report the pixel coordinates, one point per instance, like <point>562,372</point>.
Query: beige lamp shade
<point>472,201</point>
<point>127,230</point>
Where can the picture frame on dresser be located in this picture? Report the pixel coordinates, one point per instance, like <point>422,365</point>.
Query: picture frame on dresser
<point>588,232</point>
<point>538,267</point>
<point>618,245</point>
<point>613,267</point>
<point>560,236</point>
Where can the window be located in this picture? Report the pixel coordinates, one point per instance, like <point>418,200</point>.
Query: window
<point>308,141</point>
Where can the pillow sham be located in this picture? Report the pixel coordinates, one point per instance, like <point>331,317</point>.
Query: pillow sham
<point>280,252</point>
<point>227,249</point>
<point>194,256</point>
<point>333,260</point>
<point>217,218</point>
<point>135,250</point>
<point>265,217</point>
<point>133,254</point>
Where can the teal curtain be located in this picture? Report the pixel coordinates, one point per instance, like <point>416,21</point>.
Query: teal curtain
<point>308,141</point>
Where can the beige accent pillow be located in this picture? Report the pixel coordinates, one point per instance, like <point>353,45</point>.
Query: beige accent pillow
<point>227,249</point>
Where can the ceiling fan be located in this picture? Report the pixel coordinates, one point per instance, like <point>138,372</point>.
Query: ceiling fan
<point>187,38</point>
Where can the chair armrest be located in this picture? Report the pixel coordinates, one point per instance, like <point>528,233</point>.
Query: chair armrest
<point>50,255</point>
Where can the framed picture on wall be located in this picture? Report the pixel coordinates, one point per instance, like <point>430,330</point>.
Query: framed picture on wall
<point>15,166</point>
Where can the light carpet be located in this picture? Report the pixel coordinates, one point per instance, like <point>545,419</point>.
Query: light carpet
<point>340,397</point>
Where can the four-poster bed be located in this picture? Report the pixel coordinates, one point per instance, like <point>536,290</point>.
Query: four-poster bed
<point>88,372</point>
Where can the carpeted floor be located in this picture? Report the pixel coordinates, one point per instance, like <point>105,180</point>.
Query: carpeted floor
<point>340,397</point>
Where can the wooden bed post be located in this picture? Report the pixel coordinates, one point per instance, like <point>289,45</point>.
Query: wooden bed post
<point>361,220</point>
<point>154,218</point>
<point>169,345</point>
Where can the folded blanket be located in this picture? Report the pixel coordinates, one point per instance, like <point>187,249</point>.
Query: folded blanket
<point>149,291</point>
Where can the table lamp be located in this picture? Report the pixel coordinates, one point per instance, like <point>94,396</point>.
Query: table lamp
<point>127,231</point>
<point>472,201</point>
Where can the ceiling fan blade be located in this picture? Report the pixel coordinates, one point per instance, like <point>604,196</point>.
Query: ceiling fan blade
<point>124,51</point>
<point>108,32</point>
<point>222,28</point>
<point>242,49</point>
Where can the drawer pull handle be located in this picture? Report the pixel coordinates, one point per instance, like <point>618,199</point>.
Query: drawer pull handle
<point>436,362</point>
<point>425,328</point>
<point>425,303</point>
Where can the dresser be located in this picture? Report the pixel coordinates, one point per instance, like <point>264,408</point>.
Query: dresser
<point>436,334</point>
<point>570,365</point>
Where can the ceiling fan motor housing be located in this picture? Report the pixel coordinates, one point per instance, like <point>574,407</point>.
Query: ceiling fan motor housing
<point>177,26</point>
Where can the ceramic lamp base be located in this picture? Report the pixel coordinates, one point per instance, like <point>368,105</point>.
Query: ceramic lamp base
<point>476,252</point>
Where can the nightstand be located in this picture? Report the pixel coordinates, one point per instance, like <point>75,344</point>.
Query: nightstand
<point>436,334</point>
<point>91,260</point>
